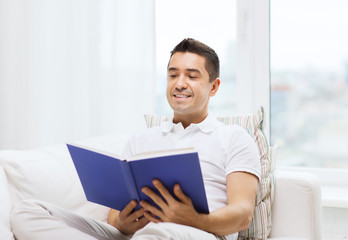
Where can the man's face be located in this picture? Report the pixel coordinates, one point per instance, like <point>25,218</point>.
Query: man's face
<point>188,86</point>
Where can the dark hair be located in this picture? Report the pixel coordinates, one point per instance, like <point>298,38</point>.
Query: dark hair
<point>212,63</point>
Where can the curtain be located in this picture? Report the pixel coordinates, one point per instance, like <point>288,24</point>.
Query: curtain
<point>73,69</point>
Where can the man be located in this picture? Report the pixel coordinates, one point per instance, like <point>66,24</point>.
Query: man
<point>193,77</point>
<point>229,162</point>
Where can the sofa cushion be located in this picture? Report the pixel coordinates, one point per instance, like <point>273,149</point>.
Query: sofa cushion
<point>48,174</point>
<point>260,226</point>
<point>5,209</point>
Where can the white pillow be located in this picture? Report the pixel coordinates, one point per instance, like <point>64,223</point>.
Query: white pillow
<point>5,209</point>
<point>48,174</point>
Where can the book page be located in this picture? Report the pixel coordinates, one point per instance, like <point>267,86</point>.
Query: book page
<point>161,153</point>
<point>114,155</point>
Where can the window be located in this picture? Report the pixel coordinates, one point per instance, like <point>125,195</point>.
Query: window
<point>309,82</point>
<point>212,22</point>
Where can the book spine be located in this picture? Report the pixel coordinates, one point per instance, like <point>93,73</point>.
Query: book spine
<point>129,179</point>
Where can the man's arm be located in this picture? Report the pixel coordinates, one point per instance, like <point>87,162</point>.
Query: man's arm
<point>236,216</point>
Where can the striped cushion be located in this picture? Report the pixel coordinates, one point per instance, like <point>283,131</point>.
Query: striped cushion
<point>260,226</point>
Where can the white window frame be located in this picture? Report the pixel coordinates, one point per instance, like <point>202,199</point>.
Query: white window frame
<point>253,60</point>
<point>253,88</point>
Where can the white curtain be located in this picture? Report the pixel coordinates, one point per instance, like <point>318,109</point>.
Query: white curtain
<point>72,69</point>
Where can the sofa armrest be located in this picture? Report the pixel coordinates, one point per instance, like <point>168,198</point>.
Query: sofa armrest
<point>296,210</point>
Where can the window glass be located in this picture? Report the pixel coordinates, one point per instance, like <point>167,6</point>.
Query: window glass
<point>211,22</point>
<point>309,82</point>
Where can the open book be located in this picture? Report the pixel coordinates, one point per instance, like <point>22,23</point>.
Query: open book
<point>112,181</point>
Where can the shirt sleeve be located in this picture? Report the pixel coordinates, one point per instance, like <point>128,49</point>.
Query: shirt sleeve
<point>242,154</point>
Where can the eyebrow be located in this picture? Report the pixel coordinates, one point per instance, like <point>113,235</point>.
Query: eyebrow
<point>187,69</point>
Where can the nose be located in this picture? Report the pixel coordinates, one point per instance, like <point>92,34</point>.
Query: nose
<point>181,83</point>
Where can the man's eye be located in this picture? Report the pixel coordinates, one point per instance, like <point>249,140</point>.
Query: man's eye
<point>172,75</point>
<point>192,77</point>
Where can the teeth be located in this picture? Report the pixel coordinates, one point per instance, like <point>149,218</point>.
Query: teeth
<point>181,96</point>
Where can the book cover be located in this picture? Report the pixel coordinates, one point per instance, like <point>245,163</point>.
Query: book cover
<point>109,180</point>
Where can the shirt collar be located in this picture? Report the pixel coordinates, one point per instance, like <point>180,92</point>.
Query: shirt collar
<point>206,126</point>
<point>166,127</point>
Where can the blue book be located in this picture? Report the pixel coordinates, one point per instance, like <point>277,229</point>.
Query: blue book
<point>111,181</point>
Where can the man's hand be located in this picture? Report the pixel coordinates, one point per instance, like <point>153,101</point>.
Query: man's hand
<point>234,217</point>
<point>181,212</point>
<point>126,221</point>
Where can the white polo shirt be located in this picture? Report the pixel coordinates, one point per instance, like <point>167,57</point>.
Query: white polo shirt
<point>222,150</point>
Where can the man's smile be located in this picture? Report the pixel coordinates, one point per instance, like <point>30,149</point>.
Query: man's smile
<point>181,96</point>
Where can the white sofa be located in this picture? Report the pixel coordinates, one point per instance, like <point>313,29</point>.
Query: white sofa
<point>48,174</point>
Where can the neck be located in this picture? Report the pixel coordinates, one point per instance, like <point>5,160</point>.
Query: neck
<point>187,120</point>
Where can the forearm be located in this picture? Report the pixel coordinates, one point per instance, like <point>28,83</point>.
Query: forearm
<point>226,220</point>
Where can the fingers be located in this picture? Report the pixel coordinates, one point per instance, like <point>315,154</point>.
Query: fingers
<point>129,222</point>
<point>169,199</point>
<point>151,209</point>
<point>138,218</point>
<point>137,214</point>
<point>127,215</point>
<point>128,209</point>
<point>171,208</point>
<point>141,222</point>
<point>150,217</point>
<point>162,189</point>
<point>167,196</point>
<point>181,195</point>
<point>157,198</point>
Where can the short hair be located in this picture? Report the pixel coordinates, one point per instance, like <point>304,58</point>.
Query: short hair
<point>212,63</point>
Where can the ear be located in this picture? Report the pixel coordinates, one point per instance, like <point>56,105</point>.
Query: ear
<point>215,87</point>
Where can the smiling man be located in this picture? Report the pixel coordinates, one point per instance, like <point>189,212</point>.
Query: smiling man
<point>228,157</point>
<point>189,87</point>
<point>229,162</point>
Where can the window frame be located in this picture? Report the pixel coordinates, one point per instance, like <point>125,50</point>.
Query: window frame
<point>253,57</point>
<point>253,84</point>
